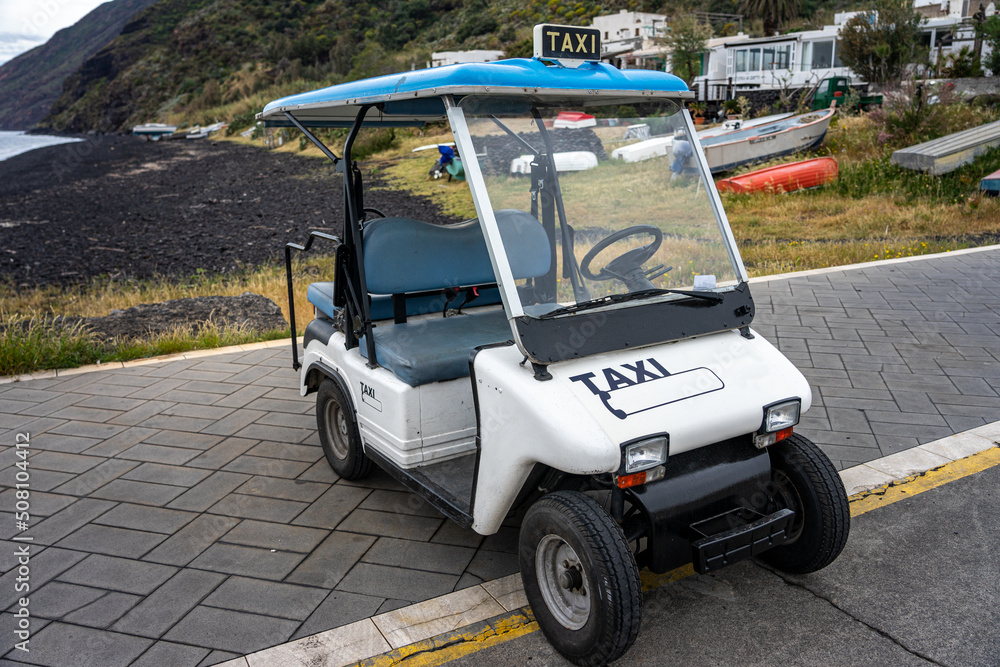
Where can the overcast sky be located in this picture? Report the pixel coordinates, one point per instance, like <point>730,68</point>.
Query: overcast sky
<point>24,24</point>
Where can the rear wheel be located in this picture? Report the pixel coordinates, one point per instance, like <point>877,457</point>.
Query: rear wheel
<point>804,480</point>
<point>580,578</point>
<point>338,432</point>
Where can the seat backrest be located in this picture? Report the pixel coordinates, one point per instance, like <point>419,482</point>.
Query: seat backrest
<point>404,255</point>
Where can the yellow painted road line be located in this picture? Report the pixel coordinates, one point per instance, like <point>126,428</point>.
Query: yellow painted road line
<point>453,645</point>
<point>911,486</point>
<point>520,622</point>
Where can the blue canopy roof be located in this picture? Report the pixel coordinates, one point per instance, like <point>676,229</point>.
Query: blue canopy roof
<point>414,98</point>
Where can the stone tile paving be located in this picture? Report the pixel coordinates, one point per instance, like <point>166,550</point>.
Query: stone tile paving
<point>897,354</point>
<point>182,513</point>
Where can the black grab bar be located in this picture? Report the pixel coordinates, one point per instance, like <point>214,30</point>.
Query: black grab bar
<point>291,295</point>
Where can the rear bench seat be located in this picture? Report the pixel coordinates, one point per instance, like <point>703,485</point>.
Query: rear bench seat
<point>407,256</point>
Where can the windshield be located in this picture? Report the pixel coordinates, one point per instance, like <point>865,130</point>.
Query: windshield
<point>618,192</point>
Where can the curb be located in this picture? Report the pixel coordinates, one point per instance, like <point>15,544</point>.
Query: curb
<point>118,365</point>
<point>870,265</point>
<point>448,627</point>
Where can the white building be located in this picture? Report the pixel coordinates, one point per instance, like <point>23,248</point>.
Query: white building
<point>803,59</point>
<point>441,58</point>
<point>790,61</point>
<point>625,32</point>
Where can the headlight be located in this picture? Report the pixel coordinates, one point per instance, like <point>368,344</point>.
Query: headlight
<point>781,416</point>
<point>645,454</point>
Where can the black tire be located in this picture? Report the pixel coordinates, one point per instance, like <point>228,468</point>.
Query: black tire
<point>338,432</point>
<point>596,618</point>
<point>804,480</point>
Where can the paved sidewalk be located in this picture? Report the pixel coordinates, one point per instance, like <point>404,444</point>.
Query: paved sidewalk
<point>182,512</point>
<point>897,354</point>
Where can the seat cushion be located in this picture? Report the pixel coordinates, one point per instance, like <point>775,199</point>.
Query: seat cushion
<point>321,296</point>
<point>437,349</point>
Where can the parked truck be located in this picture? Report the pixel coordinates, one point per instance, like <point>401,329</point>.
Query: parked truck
<point>838,88</point>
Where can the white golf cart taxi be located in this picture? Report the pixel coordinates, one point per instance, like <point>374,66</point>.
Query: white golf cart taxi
<point>580,352</point>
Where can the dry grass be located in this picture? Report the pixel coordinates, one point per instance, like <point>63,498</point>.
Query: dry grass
<point>28,345</point>
<point>796,232</point>
<point>99,297</point>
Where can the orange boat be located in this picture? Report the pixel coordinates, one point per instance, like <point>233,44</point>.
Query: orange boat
<point>784,177</point>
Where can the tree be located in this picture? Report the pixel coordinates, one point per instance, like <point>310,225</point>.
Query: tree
<point>774,13</point>
<point>989,32</point>
<point>881,41</point>
<point>686,39</point>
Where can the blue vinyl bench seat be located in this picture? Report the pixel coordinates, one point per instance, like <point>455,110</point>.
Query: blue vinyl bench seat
<point>404,256</point>
<point>436,349</point>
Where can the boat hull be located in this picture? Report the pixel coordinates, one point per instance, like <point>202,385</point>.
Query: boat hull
<point>792,135</point>
<point>784,177</point>
<point>991,184</point>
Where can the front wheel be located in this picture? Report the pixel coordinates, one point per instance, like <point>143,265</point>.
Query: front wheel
<point>804,480</point>
<point>580,578</point>
<point>338,432</point>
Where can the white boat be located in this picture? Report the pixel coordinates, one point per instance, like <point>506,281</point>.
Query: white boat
<point>660,146</point>
<point>198,132</point>
<point>568,161</point>
<point>644,150</point>
<point>737,123</point>
<point>728,148</point>
<point>763,142</point>
<point>574,120</point>
<point>153,131</point>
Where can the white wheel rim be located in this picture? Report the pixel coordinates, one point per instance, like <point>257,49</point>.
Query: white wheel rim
<point>336,429</point>
<point>564,584</point>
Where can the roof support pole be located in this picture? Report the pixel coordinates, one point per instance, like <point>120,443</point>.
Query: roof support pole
<point>312,137</point>
<point>352,229</point>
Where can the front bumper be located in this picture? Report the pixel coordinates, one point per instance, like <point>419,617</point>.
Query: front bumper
<point>737,535</point>
<point>709,509</point>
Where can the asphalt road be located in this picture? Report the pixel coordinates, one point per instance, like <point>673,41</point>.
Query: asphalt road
<point>918,583</point>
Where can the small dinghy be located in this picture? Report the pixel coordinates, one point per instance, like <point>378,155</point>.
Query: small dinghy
<point>153,131</point>
<point>784,177</point>
<point>991,184</point>
<point>568,161</point>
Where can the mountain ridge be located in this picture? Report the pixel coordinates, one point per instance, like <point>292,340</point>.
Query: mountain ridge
<point>32,81</point>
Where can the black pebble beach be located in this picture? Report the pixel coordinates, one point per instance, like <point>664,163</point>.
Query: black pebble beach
<point>128,208</point>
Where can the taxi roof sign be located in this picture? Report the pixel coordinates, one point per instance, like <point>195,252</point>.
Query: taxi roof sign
<point>568,45</point>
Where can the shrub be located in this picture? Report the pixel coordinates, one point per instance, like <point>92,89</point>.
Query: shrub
<point>962,64</point>
<point>880,41</point>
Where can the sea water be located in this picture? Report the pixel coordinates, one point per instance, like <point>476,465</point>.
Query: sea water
<point>15,143</point>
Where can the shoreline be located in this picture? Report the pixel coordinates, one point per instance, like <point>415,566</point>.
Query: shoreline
<point>9,140</point>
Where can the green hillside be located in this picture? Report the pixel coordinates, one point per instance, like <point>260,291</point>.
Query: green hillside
<point>31,82</point>
<point>189,55</point>
<point>202,60</point>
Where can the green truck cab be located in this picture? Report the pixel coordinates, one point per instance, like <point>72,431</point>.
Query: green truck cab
<point>837,88</point>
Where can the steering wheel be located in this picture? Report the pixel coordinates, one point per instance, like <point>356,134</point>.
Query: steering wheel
<point>627,267</point>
